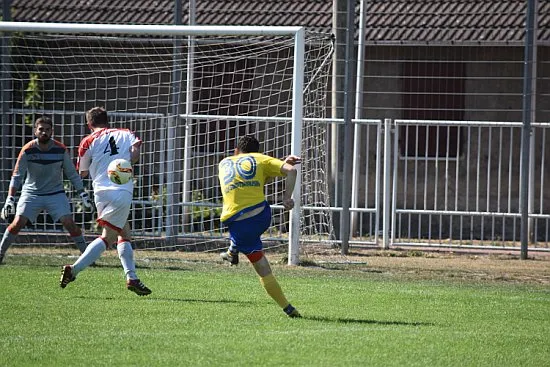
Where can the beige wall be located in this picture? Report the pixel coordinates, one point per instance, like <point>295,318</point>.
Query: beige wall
<point>486,177</point>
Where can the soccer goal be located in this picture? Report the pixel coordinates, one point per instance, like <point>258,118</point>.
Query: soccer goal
<point>189,92</point>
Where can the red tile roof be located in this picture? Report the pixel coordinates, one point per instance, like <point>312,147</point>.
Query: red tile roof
<point>94,11</point>
<point>452,20</point>
<point>386,20</point>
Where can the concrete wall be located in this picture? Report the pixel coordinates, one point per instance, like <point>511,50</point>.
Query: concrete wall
<point>486,176</point>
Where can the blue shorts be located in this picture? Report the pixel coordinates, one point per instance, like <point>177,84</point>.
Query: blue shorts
<point>56,205</point>
<point>245,234</point>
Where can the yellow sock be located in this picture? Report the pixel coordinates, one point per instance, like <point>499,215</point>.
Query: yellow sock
<point>272,288</point>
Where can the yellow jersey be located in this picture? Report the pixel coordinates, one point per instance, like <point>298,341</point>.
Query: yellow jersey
<point>242,180</point>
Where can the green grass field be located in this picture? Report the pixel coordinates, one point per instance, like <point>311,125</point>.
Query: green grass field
<point>203,313</point>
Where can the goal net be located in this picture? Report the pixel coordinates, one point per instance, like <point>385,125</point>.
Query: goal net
<point>189,93</point>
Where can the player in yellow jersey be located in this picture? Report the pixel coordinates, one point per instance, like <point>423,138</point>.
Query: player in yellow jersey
<point>246,212</point>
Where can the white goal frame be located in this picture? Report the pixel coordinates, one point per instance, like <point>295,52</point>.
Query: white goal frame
<point>296,32</point>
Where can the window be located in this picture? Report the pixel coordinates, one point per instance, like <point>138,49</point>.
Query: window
<point>221,89</point>
<point>432,91</point>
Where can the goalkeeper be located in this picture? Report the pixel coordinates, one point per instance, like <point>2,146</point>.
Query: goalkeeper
<point>246,212</point>
<point>42,162</point>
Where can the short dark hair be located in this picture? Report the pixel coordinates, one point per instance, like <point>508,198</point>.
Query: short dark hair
<point>97,117</point>
<point>248,144</point>
<point>44,120</point>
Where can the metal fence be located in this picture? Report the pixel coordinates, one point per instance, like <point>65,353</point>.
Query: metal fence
<point>467,197</point>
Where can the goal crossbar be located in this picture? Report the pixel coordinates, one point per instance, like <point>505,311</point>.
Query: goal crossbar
<point>174,30</point>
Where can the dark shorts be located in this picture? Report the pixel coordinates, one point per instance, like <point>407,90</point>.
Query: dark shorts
<point>245,234</point>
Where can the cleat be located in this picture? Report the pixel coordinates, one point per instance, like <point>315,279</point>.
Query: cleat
<point>231,257</point>
<point>136,286</point>
<point>291,312</point>
<point>294,314</point>
<point>66,276</point>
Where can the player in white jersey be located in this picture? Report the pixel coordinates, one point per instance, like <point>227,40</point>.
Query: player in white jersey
<point>38,172</point>
<point>113,201</point>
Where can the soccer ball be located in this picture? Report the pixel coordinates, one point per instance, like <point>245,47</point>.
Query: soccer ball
<point>120,171</point>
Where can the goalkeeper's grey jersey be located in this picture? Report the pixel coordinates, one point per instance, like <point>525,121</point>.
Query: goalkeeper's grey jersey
<point>43,170</point>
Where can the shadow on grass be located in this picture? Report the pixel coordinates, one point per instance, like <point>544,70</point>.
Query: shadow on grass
<point>187,300</point>
<point>343,320</point>
<point>118,266</point>
<point>196,300</point>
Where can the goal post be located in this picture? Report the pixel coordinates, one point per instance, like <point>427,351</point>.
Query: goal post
<point>296,145</point>
<point>189,102</point>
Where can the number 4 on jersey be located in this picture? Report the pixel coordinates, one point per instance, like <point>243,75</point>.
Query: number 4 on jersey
<point>111,148</point>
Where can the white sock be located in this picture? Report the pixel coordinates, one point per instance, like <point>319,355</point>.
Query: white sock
<point>91,254</point>
<point>126,255</point>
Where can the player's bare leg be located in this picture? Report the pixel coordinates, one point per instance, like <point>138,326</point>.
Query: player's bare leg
<point>75,232</point>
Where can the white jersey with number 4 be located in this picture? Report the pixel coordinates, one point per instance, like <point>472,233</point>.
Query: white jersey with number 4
<point>99,149</point>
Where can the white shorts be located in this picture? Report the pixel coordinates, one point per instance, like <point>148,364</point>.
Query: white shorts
<point>113,208</point>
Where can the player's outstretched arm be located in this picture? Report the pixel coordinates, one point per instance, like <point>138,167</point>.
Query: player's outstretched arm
<point>70,172</point>
<point>290,181</point>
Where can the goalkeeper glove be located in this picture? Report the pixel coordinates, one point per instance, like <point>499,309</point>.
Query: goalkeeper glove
<point>9,208</point>
<point>86,201</point>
